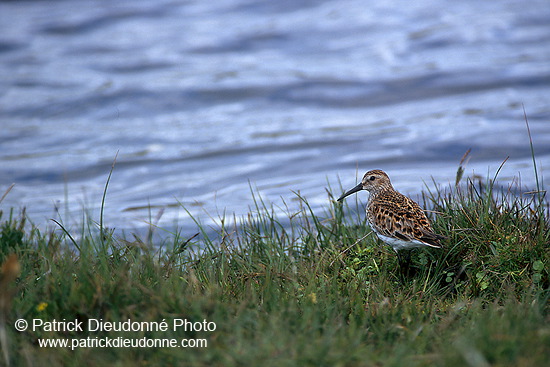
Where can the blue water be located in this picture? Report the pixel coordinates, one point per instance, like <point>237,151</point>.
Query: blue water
<point>204,99</point>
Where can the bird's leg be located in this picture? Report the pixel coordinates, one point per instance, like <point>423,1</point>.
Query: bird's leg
<point>404,259</point>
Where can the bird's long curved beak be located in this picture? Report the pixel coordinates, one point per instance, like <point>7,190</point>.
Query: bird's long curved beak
<point>352,191</point>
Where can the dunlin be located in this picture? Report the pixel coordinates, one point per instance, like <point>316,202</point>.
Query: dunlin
<point>396,219</point>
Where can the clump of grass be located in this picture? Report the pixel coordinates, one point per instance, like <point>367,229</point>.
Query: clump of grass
<point>307,289</point>
<point>498,238</point>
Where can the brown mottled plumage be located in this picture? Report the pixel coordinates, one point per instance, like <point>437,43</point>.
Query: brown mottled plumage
<point>396,219</point>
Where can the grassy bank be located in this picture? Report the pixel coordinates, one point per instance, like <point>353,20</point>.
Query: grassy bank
<point>317,291</point>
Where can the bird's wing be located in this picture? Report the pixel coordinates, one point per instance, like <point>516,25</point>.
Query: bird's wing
<point>400,217</point>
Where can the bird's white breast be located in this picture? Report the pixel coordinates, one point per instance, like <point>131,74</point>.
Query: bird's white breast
<point>398,244</point>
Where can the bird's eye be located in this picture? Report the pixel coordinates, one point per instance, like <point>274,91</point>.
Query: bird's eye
<point>372,178</point>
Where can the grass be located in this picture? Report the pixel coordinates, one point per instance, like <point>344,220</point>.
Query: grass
<point>307,290</point>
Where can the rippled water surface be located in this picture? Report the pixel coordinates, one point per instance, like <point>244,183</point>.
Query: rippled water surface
<point>204,99</point>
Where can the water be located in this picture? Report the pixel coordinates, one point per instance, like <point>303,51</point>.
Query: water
<point>203,100</point>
